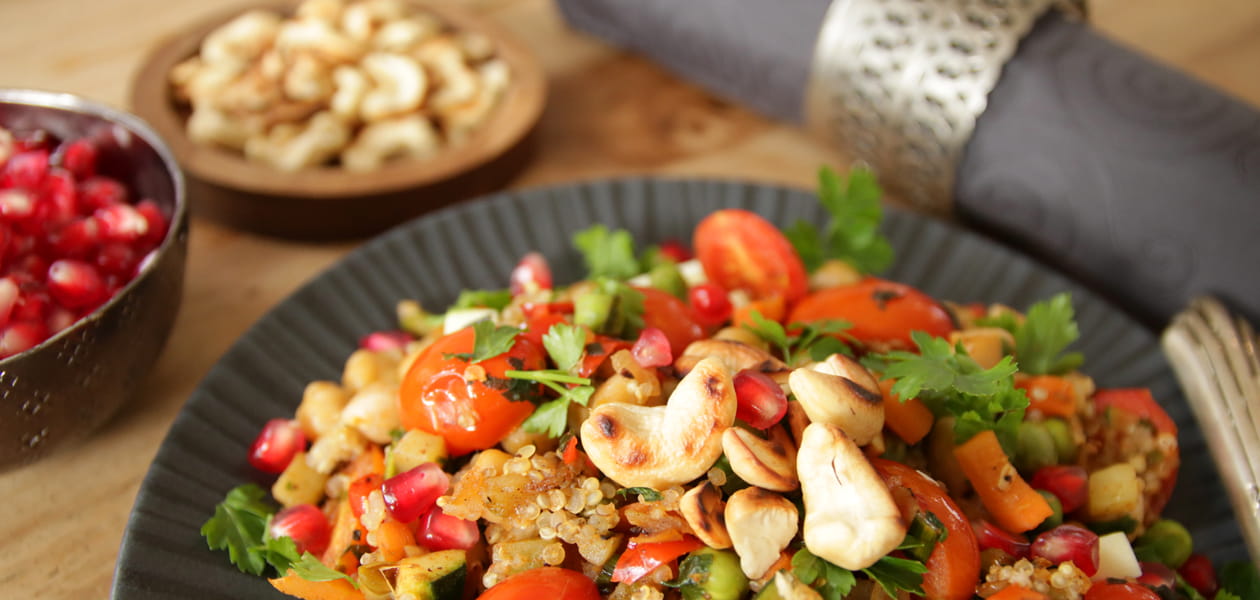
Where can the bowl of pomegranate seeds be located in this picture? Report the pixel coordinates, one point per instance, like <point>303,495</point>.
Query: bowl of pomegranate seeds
<point>93,239</point>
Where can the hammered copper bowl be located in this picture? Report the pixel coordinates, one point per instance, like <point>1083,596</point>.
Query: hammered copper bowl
<point>70,384</point>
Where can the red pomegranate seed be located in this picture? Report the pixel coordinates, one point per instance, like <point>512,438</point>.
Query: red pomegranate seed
<point>16,205</point>
<point>116,258</point>
<point>122,222</point>
<point>75,284</point>
<point>1068,542</point>
<point>440,531</point>
<point>276,445</point>
<point>1069,483</point>
<point>77,238</point>
<point>991,536</point>
<point>1156,575</point>
<point>1200,574</point>
<point>25,170</point>
<point>20,336</point>
<point>710,304</point>
<point>60,318</point>
<point>58,192</point>
<point>531,274</point>
<point>675,250</point>
<point>78,157</point>
<point>306,524</point>
<point>101,192</point>
<point>33,303</point>
<point>652,348</point>
<point>385,340</point>
<point>761,401</point>
<point>8,299</point>
<point>156,219</point>
<point>36,140</point>
<point>410,494</point>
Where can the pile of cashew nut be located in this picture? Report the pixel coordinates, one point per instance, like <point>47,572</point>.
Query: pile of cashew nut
<point>350,82</point>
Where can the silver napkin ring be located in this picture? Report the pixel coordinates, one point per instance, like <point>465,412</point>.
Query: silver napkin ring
<point>900,83</point>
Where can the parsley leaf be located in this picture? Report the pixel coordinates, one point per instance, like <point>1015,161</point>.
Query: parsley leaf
<point>953,383</point>
<point>1240,579</point>
<point>852,233</point>
<point>552,416</point>
<point>895,574</point>
<point>239,525</point>
<point>1048,329</point>
<point>815,341</point>
<point>831,581</point>
<point>311,569</point>
<point>496,299</point>
<point>488,341</point>
<point>565,344</point>
<point>649,494</point>
<point>607,253</point>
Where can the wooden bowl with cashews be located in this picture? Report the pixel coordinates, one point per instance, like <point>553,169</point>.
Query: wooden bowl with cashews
<point>335,119</point>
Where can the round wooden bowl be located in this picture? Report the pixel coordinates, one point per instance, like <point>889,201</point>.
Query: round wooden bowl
<point>329,202</point>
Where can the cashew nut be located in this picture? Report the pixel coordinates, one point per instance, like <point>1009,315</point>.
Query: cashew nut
<point>851,519</point>
<point>308,79</point>
<point>400,86</point>
<point>663,446</point>
<point>328,11</point>
<point>373,410</point>
<point>349,87</point>
<point>737,356</point>
<point>761,523</point>
<point>461,120</point>
<point>319,37</point>
<point>290,147</point>
<point>704,511</point>
<point>209,125</point>
<point>400,36</point>
<point>768,463</point>
<point>442,57</point>
<point>839,391</point>
<point>411,136</point>
<point>242,39</point>
<point>791,588</point>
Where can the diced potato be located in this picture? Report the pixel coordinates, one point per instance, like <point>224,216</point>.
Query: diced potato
<point>416,448</point>
<point>987,345</point>
<point>320,410</point>
<point>1115,492</point>
<point>299,483</point>
<point>1116,558</point>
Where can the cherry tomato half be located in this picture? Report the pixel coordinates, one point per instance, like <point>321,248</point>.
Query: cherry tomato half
<point>670,315</point>
<point>882,312</point>
<point>473,413</point>
<point>550,583</point>
<point>640,559</point>
<point>954,565</point>
<point>1139,403</point>
<point>740,250</point>
<point>1105,590</point>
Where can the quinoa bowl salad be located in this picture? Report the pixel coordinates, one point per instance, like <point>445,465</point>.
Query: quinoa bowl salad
<point>666,425</point>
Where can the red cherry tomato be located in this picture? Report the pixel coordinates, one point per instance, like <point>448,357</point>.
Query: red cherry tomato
<point>1105,590</point>
<point>882,312</point>
<point>667,313</point>
<point>710,304</point>
<point>640,559</point>
<point>1068,483</point>
<point>740,250</point>
<point>359,490</point>
<point>466,404</point>
<point>1140,403</point>
<point>550,583</point>
<point>954,565</point>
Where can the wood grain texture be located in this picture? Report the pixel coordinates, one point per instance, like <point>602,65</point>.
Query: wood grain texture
<point>608,113</point>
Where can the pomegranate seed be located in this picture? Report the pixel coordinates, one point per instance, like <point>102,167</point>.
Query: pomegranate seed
<point>16,205</point>
<point>25,170</point>
<point>378,341</point>
<point>710,304</point>
<point>77,238</point>
<point>77,157</point>
<point>156,219</point>
<point>306,524</point>
<point>675,250</point>
<point>8,298</point>
<point>1200,574</point>
<point>59,319</point>
<point>989,535</point>
<point>1069,483</point>
<point>530,275</point>
<point>1068,542</point>
<point>116,258</point>
<point>33,303</point>
<point>410,494</point>
<point>58,192</point>
<point>75,284</point>
<point>122,222</point>
<point>1155,575</point>
<point>761,401</point>
<point>440,531</point>
<point>101,192</point>
<point>20,336</point>
<point>36,140</point>
<point>652,348</point>
<point>276,445</point>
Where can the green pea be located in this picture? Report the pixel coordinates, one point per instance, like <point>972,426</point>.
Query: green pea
<point>665,276</point>
<point>711,574</point>
<point>592,309</point>
<point>1165,541</point>
<point>1055,519</point>
<point>1034,448</point>
<point>1064,445</point>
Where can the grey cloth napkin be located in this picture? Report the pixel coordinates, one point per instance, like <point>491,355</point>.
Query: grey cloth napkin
<point>1127,175</point>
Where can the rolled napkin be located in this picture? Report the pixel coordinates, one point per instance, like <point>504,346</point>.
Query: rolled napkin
<point>1009,117</point>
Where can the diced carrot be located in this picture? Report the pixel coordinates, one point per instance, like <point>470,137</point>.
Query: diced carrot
<point>772,308</point>
<point>1049,394</point>
<point>910,419</point>
<point>369,461</point>
<point>336,589</point>
<point>346,532</point>
<point>1017,592</point>
<point>570,454</point>
<point>392,539</point>
<point>1014,504</point>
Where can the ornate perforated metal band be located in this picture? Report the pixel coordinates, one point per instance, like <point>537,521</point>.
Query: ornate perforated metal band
<point>900,83</point>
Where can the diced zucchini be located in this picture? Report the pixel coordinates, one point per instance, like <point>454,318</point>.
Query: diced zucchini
<point>299,483</point>
<point>416,448</point>
<point>434,576</point>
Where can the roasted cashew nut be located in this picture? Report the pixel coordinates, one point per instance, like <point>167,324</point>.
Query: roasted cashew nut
<point>768,463</point>
<point>851,519</point>
<point>664,446</point>
<point>737,356</point>
<point>411,136</point>
<point>839,391</point>
<point>704,511</point>
<point>761,523</point>
<point>399,86</point>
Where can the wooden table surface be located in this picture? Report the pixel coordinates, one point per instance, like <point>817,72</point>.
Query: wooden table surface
<point>609,113</point>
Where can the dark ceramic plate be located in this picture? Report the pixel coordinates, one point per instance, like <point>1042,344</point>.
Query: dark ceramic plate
<point>309,335</point>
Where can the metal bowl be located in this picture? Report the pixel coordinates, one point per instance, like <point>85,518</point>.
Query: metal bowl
<point>70,384</point>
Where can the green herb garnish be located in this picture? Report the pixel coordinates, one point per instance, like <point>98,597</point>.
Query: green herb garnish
<point>488,342</point>
<point>852,233</point>
<point>496,299</point>
<point>814,341</point>
<point>607,253</point>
